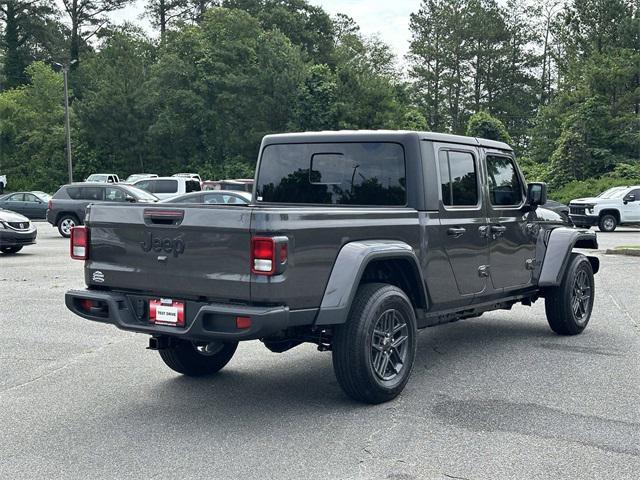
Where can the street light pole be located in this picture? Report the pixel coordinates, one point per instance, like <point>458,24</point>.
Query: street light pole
<point>67,126</point>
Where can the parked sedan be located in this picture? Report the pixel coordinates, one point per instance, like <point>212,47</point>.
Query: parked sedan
<point>16,231</point>
<point>228,197</point>
<point>29,204</point>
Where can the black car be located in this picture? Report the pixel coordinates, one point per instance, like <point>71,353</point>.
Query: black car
<point>221,197</point>
<point>68,204</point>
<point>560,208</point>
<point>16,231</point>
<point>29,204</point>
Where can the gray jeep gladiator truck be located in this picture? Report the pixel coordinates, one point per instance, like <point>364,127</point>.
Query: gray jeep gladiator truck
<point>353,241</point>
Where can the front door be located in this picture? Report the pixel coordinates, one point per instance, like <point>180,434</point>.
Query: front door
<point>631,206</point>
<point>463,218</point>
<point>512,234</point>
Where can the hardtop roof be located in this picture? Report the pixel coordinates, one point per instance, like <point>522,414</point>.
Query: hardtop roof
<point>380,135</point>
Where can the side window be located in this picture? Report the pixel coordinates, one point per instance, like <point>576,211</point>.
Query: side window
<point>192,186</point>
<point>30,197</point>
<point>114,195</point>
<point>212,198</point>
<point>636,194</point>
<point>144,185</point>
<point>458,178</point>
<point>505,188</point>
<point>92,193</point>
<point>18,197</point>
<point>75,193</point>
<point>164,186</point>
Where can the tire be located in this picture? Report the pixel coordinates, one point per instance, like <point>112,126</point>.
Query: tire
<point>607,223</point>
<point>185,358</point>
<point>360,346</point>
<point>65,223</point>
<point>10,250</point>
<point>567,315</point>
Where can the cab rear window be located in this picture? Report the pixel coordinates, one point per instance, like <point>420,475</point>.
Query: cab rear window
<point>371,173</point>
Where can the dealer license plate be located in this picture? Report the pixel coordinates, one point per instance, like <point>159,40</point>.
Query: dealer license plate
<point>166,312</point>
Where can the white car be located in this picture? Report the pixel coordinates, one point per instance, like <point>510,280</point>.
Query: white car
<point>195,176</point>
<point>103,178</point>
<point>613,207</point>
<point>167,187</point>
<point>3,183</point>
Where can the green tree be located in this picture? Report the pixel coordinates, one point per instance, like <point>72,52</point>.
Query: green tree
<point>32,141</point>
<point>483,125</point>
<point>112,118</point>
<point>29,34</point>
<point>87,17</point>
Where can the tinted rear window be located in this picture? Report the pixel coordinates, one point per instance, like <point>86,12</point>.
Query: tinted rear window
<point>371,173</point>
<point>163,186</point>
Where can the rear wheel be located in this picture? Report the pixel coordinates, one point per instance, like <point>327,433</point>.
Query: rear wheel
<point>373,352</point>
<point>10,250</point>
<point>607,223</point>
<point>569,305</point>
<point>197,360</point>
<point>66,223</point>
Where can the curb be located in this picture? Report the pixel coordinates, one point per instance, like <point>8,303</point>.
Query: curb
<point>630,252</point>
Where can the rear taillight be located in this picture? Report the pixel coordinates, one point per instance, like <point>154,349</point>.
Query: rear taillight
<point>79,243</point>
<point>269,255</point>
<point>50,205</point>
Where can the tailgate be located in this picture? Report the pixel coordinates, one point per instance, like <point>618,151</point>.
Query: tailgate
<point>171,250</point>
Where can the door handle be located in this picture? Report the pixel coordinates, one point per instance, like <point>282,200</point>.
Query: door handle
<point>456,232</point>
<point>497,230</point>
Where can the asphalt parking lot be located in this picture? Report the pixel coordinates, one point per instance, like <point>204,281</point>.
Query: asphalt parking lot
<point>496,397</point>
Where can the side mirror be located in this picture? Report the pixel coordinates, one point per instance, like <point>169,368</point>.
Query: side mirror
<point>131,200</point>
<point>630,198</point>
<point>536,194</point>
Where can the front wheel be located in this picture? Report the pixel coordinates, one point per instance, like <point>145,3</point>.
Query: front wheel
<point>373,352</point>
<point>569,305</point>
<point>607,223</point>
<point>197,360</point>
<point>10,250</point>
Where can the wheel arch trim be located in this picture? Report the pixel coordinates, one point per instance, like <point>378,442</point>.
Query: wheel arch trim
<point>347,272</point>
<point>560,244</point>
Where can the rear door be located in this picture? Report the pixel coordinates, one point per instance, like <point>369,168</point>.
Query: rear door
<point>512,234</point>
<point>462,216</point>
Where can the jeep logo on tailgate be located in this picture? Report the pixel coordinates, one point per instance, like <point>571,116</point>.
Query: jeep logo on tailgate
<point>168,245</point>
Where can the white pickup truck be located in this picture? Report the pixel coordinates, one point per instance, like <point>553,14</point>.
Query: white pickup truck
<point>3,183</point>
<point>613,207</point>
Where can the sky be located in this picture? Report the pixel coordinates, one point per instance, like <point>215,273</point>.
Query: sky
<point>387,19</point>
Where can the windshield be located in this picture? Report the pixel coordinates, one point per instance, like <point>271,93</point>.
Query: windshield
<point>97,178</point>
<point>614,192</point>
<point>142,194</point>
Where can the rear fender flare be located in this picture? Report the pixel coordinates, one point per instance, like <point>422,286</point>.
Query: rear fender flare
<point>348,270</point>
<point>560,244</point>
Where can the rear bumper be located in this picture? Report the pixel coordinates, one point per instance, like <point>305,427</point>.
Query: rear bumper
<point>203,321</point>
<point>584,220</point>
<point>17,238</point>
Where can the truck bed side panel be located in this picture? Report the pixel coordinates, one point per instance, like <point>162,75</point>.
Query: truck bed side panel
<point>316,235</point>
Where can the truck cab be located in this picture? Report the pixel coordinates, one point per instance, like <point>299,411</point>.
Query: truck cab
<point>353,241</point>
